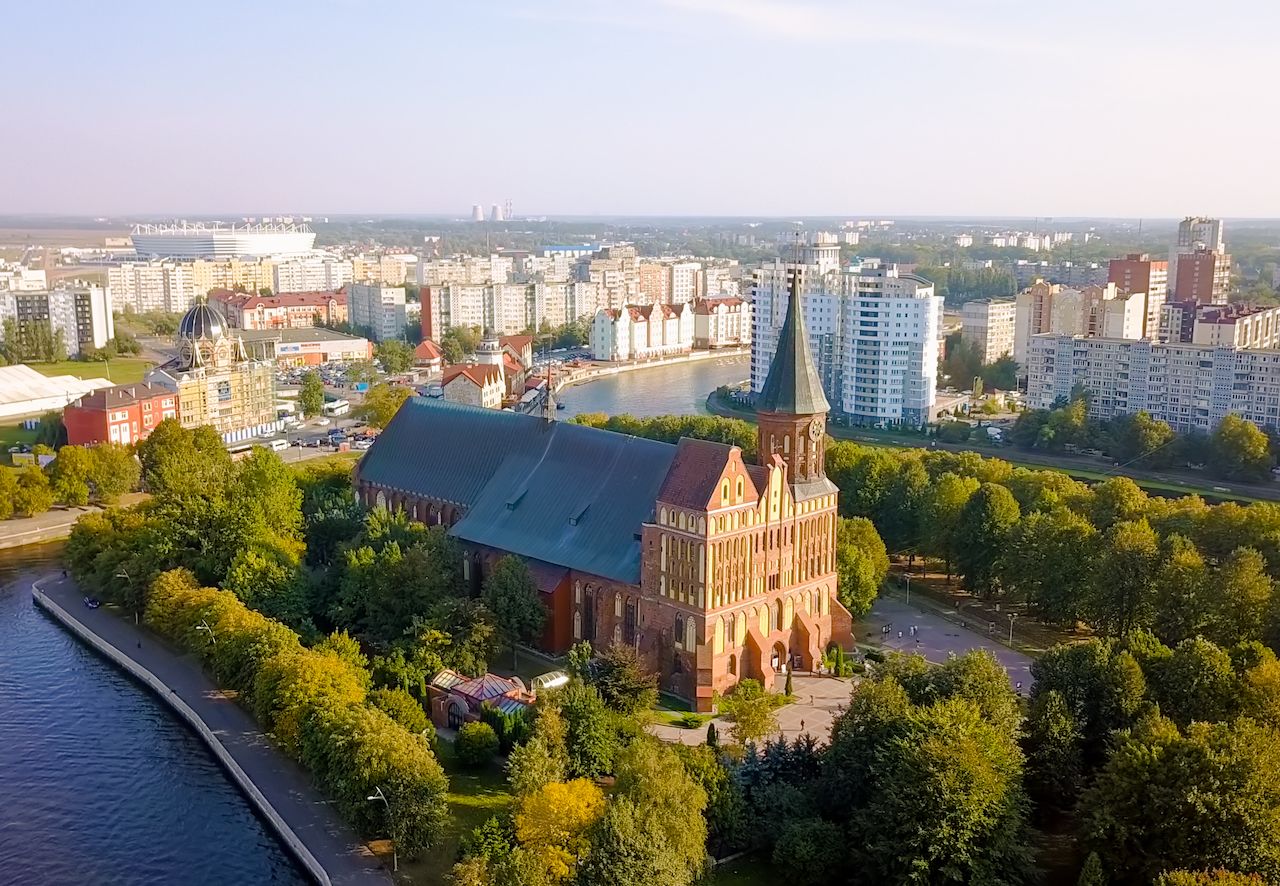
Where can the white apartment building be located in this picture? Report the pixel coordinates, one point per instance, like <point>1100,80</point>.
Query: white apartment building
<point>152,286</point>
<point>1237,326</point>
<point>988,324</point>
<point>721,323</point>
<point>1192,387</point>
<point>19,278</point>
<point>875,334</point>
<point>379,309</point>
<point>82,316</point>
<point>313,274</point>
<point>642,332</point>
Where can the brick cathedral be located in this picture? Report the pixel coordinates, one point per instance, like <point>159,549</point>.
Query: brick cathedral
<point>713,567</point>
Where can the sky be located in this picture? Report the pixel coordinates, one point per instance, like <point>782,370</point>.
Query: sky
<point>1126,108</point>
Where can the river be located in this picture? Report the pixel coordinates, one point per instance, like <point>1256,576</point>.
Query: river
<point>100,783</point>
<point>676,389</point>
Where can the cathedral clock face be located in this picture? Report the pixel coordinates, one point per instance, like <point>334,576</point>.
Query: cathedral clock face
<point>815,430</point>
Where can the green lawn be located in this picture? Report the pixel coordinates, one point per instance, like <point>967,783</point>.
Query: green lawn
<point>750,870</point>
<point>474,797</point>
<point>122,370</point>
<point>11,435</point>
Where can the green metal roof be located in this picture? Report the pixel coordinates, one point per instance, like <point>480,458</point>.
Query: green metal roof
<point>793,385</point>
<point>566,494</point>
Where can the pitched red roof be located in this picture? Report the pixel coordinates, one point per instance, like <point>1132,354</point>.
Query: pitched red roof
<point>122,395</point>
<point>476,373</point>
<point>519,342</point>
<point>511,365</point>
<point>428,350</point>
<point>695,473</point>
<point>707,305</point>
<point>253,301</point>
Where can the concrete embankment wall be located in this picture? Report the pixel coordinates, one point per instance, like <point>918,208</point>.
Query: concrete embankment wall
<point>286,834</point>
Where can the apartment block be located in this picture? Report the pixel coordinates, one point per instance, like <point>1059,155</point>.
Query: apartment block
<point>1044,308</point>
<point>312,274</point>
<point>988,324</point>
<point>1137,272</point>
<point>153,286</point>
<point>874,332</point>
<point>378,309</point>
<point>81,317</point>
<point>642,332</point>
<point>1192,387</point>
<point>721,323</point>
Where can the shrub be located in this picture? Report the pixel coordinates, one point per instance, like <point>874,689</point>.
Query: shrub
<point>403,708</point>
<point>688,721</point>
<point>476,744</point>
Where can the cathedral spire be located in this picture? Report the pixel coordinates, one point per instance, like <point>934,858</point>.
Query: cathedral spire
<point>793,386</point>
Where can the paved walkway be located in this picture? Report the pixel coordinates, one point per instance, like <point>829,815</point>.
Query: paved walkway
<point>286,785</point>
<point>50,525</point>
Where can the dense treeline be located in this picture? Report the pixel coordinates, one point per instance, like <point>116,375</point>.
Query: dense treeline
<point>1236,450</point>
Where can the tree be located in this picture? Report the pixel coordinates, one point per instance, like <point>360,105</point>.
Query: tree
<point>1242,596</point>
<point>553,823</point>
<point>8,492</point>
<point>590,740</point>
<point>1141,439</point>
<point>476,744</point>
<point>985,524</point>
<point>395,356</point>
<point>382,402</point>
<point>1124,579</point>
<point>1048,563</point>
<point>1052,745</point>
<point>1104,689</point>
<point>311,394</point>
<point>1196,683</point>
<point>804,851</point>
<point>33,494</point>
<point>534,764</point>
<point>623,681</point>
<point>473,636</point>
<point>113,471</point>
<point>750,711</point>
<point>943,505</point>
<point>69,475</point>
<point>1207,798</point>
<point>181,464</point>
<point>1239,450</point>
<point>451,350</point>
<point>861,563</point>
<point>403,708</point>
<point>512,595</point>
<point>1092,874</point>
<point>1208,878</point>
<point>1180,599</point>
<point>1117,500</point>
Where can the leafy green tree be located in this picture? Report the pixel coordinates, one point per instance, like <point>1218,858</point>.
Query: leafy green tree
<point>1208,878</point>
<point>1117,500</point>
<point>267,577</point>
<point>750,711</point>
<point>942,509</point>
<point>804,851</point>
<point>1196,683</point>
<point>861,563</point>
<point>984,527</point>
<point>382,402</point>
<point>1104,689</point>
<point>8,492</point>
<point>476,744</point>
<point>1141,439</point>
<point>311,394</point>
<point>1240,451</point>
<point>1048,563</point>
<point>554,824</point>
<point>451,350</point>
<point>1243,596</point>
<point>1092,874</point>
<point>69,475</point>
<point>1052,745</point>
<point>182,463</point>
<point>1207,798</point>
<point>113,471</point>
<point>534,764</point>
<point>1124,579</point>
<point>512,595</point>
<point>1181,602</point>
<point>473,635</point>
<point>403,708</point>
<point>591,742</point>
<point>623,681</point>
<point>395,356</point>
<point>33,494</point>
<point>382,589</point>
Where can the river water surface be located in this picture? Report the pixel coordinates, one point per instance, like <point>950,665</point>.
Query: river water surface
<point>99,783</point>
<point>678,389</point>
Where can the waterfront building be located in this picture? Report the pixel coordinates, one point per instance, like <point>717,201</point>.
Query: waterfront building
<point>305,346</point>
<point>80,318</point>
<point>1190,386</point>
<point>216,382</point>
<point>714,569</point>
<point>642,332</point>
<point>122,414</point>
<point>217,241</point>
<point>721,323</point>
<point>286,310</point>
<point>475,384</point>
<point>428,355</point>
<point>1137,272</point>
<point>378,309</point>
<point>988,324</point>
<point>875,332</point>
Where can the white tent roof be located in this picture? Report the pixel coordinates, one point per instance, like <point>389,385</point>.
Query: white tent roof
<point>21,384</point>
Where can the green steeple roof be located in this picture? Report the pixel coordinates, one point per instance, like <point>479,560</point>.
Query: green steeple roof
<point>793,386</point>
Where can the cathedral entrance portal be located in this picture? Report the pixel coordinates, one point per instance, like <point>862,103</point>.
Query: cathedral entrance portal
<point>779,657</point>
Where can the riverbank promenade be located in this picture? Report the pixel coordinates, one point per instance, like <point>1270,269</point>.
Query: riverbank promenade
<point>304,820</point>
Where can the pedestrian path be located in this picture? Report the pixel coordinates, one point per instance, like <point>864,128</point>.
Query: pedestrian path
<point>303,819</point>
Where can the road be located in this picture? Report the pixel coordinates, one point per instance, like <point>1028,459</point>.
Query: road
<point>286,785</point>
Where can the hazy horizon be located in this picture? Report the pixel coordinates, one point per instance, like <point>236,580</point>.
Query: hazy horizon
<point>660,109</point>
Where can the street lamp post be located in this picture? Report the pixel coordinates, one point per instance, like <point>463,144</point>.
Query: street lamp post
<point>908,578</point>
<point>373,798</point>
<point>204,627</point>
<point>1012,616</point>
